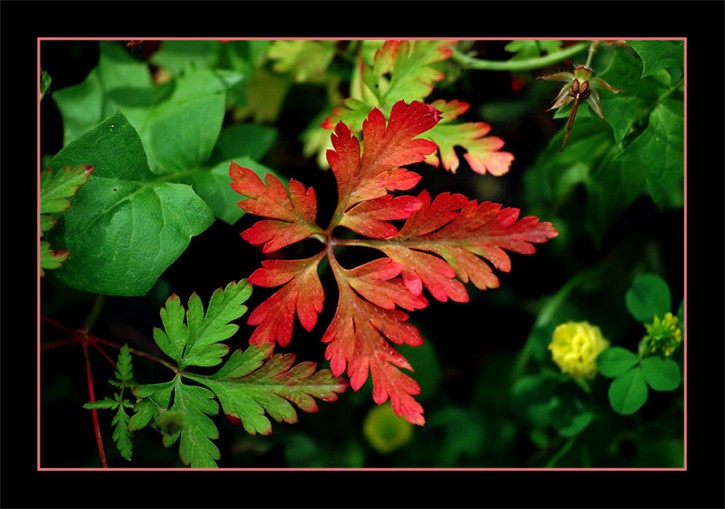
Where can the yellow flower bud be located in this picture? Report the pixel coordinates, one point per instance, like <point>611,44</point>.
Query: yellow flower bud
<point>575,346</point>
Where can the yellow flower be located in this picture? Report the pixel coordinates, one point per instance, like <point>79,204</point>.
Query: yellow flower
<point>663,335</point>
<point>575,346</point>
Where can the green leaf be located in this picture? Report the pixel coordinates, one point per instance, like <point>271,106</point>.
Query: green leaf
<point>615,361</point>
<point>121,435</point>
<point>195,404</point>
<point>126,227</point>
<point>208,329</point>
<point>144,412</point>
<point>252,383</point>
<point>611,189</point>
<point>195,343</point>
<point>45,81</point>
<point>245,140</point>
<point>623,110</point>
<point>648,296</point>
<point>84,105</point>
<point>657,55</point>
<point>661,374</point>
<point>103,404</point>
<point>628,392</point>
<point>175,56</point>
<point>50,259</point>
<point>56,188</point>
<point>571,416</point>
<point>179,134</point>
<point>556,173</point>
<point>660,152</point>
<point>214,187</point>
<point>124,366</point>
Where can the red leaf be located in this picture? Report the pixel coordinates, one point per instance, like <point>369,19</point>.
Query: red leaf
<point>292,215</point>
<point>302,293</point>
<point>462,233</point>
<point>370,218</point>
<point>358,341</point>
<point>386,149</point>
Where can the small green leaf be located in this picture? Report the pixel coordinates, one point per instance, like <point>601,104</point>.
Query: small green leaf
<point>144,412</point>
<point>50,259</point>
<point>124,366</point>
<point>615,361</point>
<point>56,189</point>
<point>121,435</point>
<point>45,81</point>
<point>103,404</point>
<point>648,296</point>
<point>661,374</point>
<point>628,392</point>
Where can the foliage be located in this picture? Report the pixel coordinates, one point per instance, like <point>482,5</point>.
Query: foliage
<point>194,142</point>
<point>441,245</point>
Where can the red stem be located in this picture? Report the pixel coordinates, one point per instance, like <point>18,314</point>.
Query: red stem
<point>94,412</point>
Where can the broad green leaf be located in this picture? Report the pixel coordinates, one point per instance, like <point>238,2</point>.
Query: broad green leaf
<point>177,55</point>
<point>555,173</point>
<point>245,140</point>
<point>84,105</point>
<point>648,296</point>
<point>59,186</point>
<point>180,133</point>
<point>126,227</point>
<point>661,374</point>
<point>195,405</point>
<point>248,389</point>
<point>613,186</point>
<point>660,152</point>
<point>615,361</point>
<point>628,392</point>
<point>657,55</point>
<point>625,109</point>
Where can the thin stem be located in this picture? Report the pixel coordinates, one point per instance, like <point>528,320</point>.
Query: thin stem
<point>92,396</point>
<point>528,64</point>
<point>139,353</point>
<point>592,49</point>
<point>95,311</point>
<point>567,446</point>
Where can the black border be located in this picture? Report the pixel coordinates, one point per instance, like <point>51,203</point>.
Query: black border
<point>700,22</point>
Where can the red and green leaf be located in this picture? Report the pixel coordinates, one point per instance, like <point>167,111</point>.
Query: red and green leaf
<point>443,244</point>
<point>483,152</point>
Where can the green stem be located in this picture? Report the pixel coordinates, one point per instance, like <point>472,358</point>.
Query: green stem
<point>567,446</point>
<point>528,64</point>
<point>95,311</point>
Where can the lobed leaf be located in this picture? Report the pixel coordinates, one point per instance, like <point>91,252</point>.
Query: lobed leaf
<point>462,234</point>
<point>302,293</point>
<point>56,189</point>
<point>292,213</point>
<point>253,383</point>
<point>358,338</point>
<point>195,404</point>
<point>196,342</point>
<point>387,148</point>
<point>482,153</point>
